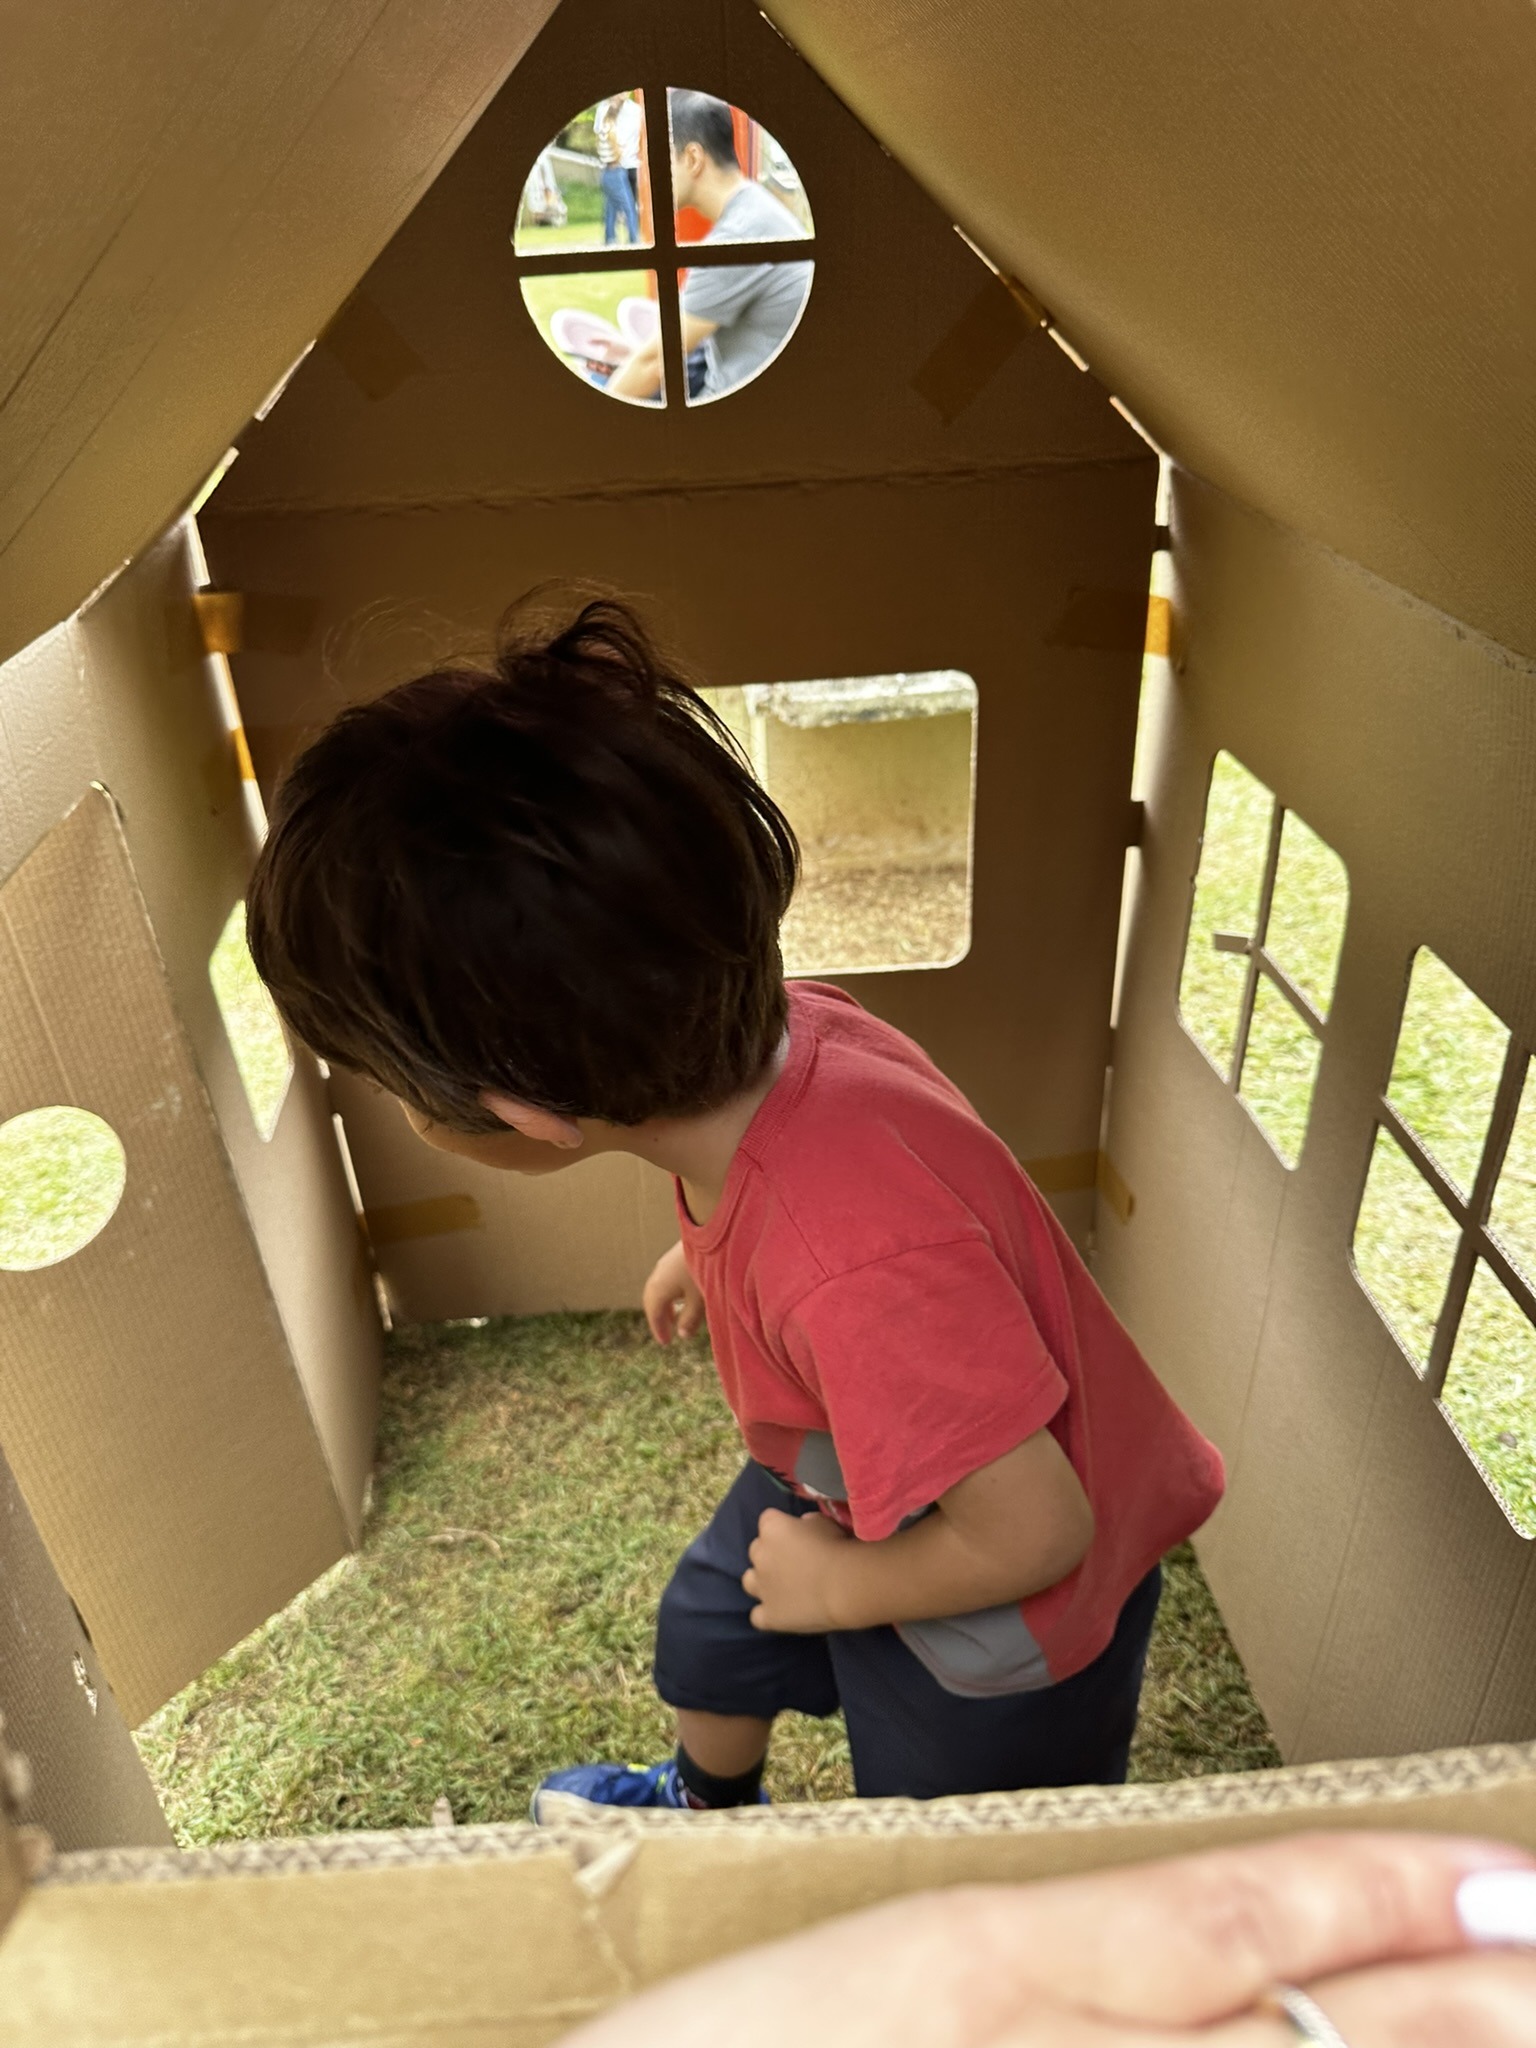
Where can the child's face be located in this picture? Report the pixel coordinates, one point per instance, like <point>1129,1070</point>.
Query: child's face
<point>508,1150</point>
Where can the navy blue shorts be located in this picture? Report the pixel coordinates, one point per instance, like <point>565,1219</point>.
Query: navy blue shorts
<point>909,1736</point>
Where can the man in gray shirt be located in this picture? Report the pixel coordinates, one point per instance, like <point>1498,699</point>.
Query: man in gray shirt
<point>737,315</point>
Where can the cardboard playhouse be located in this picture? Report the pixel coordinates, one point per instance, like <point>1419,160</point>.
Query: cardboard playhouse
<point>1296,250</point>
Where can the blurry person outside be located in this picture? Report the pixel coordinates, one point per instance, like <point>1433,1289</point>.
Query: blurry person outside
<point>735,319</point>
<point>619,130</point>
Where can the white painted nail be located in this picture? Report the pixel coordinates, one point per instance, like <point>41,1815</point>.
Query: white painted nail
<point>1498,1908</point>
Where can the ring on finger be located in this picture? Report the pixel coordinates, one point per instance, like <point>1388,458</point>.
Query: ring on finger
<point>1290,2002</point>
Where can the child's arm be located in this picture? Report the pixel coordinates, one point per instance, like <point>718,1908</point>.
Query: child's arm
<point>1011,1529</point>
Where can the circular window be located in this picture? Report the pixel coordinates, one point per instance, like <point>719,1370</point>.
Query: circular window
<point>638,330</point>
<point>62,1172</point>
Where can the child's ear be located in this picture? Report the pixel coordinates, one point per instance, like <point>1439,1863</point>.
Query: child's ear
<point>546,1125</point>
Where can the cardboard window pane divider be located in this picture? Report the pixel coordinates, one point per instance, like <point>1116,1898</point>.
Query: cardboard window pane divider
<point>664,253</point>
<point>1470,1213</point>
<point>1262,965</point>
<point>686,255</point>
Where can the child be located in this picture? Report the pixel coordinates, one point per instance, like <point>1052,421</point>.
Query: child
<point>540,905</point>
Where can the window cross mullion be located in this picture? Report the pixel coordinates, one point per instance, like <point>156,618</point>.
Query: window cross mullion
<point>1475,1239</point>
<point>1260,932</point>
<point>1276,974</point>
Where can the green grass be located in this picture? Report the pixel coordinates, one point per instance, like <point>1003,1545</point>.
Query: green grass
<point>1445,1073</point>
<point>591,291</point>
<point>262,1053</point>
<point>579,234</point>
<point>62,1172</point>
<point>537,1479</point>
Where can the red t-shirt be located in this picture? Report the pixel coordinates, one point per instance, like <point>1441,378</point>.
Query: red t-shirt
<point>892,1306</point>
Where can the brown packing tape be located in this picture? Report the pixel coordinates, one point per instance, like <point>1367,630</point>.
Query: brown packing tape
<point>221,775</point>
<point>974,350</point>
<point>1159,626</point>
<point>225,766</point>
<point>1023,297</point>
<point>1106,621</point>
<point>1067,1174</point>
<point>254,621</point>
<point>398,1222</point>
<point>220,618</point>
<point>373,352</point>
<point>1111,1185</point>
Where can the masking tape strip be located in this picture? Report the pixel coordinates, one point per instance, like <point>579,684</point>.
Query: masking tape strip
<point>1159,626</point>
<point>372,351</point>
<point>974,350</point>
<point>219,617</point>
<point>1073,1173</point>
<point>1067,1174</point>
<point>1111,1185</point>
<point>1105,621</point>
<point>243,755</point>
<point>433,1216</point>
<point>254,621</point>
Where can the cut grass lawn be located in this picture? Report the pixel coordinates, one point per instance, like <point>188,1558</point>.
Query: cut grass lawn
<point>537,1479</point>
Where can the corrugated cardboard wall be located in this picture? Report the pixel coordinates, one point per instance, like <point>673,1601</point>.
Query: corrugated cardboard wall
<point>190,196</point>
<point>830,519</point>
<point>1380,1599</point>
<point>125,696</point>
<point>89,1789</point>
<point>1296,241</point>
<point>148,1403</point>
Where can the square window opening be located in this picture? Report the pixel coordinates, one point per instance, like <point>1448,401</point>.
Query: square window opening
<point>1446,1067</point>
<point>1490,1395</point>
<point>877,776</point>
<point>1267,914</point>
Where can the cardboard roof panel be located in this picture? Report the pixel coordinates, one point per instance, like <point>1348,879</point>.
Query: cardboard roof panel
<point>191,197</point>
<point>1297,243</point>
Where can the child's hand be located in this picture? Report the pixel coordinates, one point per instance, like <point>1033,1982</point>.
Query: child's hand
<point>793,1560</point>
<point>672,1302</point>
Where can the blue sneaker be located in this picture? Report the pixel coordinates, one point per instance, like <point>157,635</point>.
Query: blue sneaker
<point>564,1794</point>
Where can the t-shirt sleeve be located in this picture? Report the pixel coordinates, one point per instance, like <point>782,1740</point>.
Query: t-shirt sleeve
<point>929,1366</point>
<point>721,294</point>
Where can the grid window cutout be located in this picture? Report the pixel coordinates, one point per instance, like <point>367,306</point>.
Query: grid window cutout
<point>1265,932</point>
<point>62,1174</point>
<point>255,1031</point>
<point>877,776</point>
<point>1445,1239</point>
<point>642,331</point>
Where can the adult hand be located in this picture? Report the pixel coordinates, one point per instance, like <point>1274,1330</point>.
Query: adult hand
<point>1391,1934</point>
<point>672,1302</point>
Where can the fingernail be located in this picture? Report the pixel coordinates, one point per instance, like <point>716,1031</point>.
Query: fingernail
<point>1498,1908</point>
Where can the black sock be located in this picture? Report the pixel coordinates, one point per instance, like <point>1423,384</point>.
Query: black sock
<point>705,1789</point>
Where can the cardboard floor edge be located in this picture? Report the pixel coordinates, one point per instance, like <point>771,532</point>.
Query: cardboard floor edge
<point>394,1937</point>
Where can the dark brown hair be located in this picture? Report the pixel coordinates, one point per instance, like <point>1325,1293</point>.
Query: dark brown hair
<point>556,877</point>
